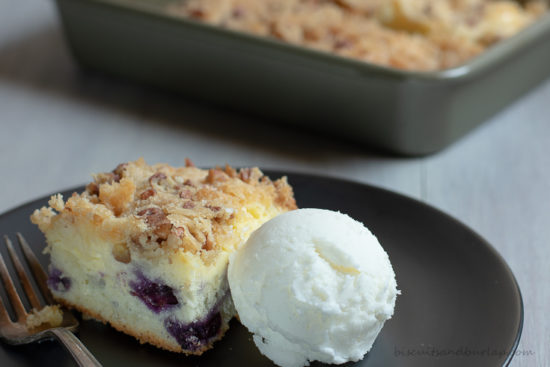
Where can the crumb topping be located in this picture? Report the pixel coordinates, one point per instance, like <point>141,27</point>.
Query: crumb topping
<point>405,34</point>
<point>160,207</point>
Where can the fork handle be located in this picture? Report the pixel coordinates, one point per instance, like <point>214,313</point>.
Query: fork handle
<point>80,353</point>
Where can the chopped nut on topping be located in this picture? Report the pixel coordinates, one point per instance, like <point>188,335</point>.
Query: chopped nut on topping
<point>107,177</point>
<point>119,170</point>
<point>208,244</point>
<point>189,183</point>
<point>156,178</point>
<point>213,208</point>
<point>250,175</point>
<point>92,188</point>
<point>186,194</point>
<point>188,205</point>
<point>189,163</point>
<point>147,194</point>
<point>216,175</point>
<point>244,174</point>
<point>231,172</point>
<point>157,220</point>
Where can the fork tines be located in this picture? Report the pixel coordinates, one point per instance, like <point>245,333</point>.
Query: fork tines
<point>39,276</point>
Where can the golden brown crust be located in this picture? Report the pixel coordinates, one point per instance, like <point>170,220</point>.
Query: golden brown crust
<point>144,338</point>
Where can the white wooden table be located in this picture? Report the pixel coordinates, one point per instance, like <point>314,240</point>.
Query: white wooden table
<point>58,125</point>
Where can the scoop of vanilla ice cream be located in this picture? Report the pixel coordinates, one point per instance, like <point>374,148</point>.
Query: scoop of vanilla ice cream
<point>312,285</point>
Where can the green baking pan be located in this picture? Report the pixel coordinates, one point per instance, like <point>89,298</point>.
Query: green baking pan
<point>408,113</point>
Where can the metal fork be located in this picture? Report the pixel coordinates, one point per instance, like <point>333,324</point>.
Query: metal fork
<point>17,332</point>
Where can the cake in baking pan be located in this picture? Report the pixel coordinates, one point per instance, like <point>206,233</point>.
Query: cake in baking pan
<point>421,35</point>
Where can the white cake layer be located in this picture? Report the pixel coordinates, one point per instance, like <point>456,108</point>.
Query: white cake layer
<point>102,284</point>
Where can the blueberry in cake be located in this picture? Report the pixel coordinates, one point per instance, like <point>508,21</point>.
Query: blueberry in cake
<point>145,248</point>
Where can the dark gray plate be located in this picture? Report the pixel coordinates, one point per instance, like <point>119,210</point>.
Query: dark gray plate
<point>460,306</point>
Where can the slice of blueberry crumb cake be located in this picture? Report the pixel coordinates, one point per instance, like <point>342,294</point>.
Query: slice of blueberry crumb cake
<point>146,248</point>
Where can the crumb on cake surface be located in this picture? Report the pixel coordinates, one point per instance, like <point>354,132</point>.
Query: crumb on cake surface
<point>405,34</point>
<point>167,209</point>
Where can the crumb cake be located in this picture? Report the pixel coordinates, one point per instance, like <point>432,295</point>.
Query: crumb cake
<point>50,315</point>
<point>145,248</point>
<point>405,34</point>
